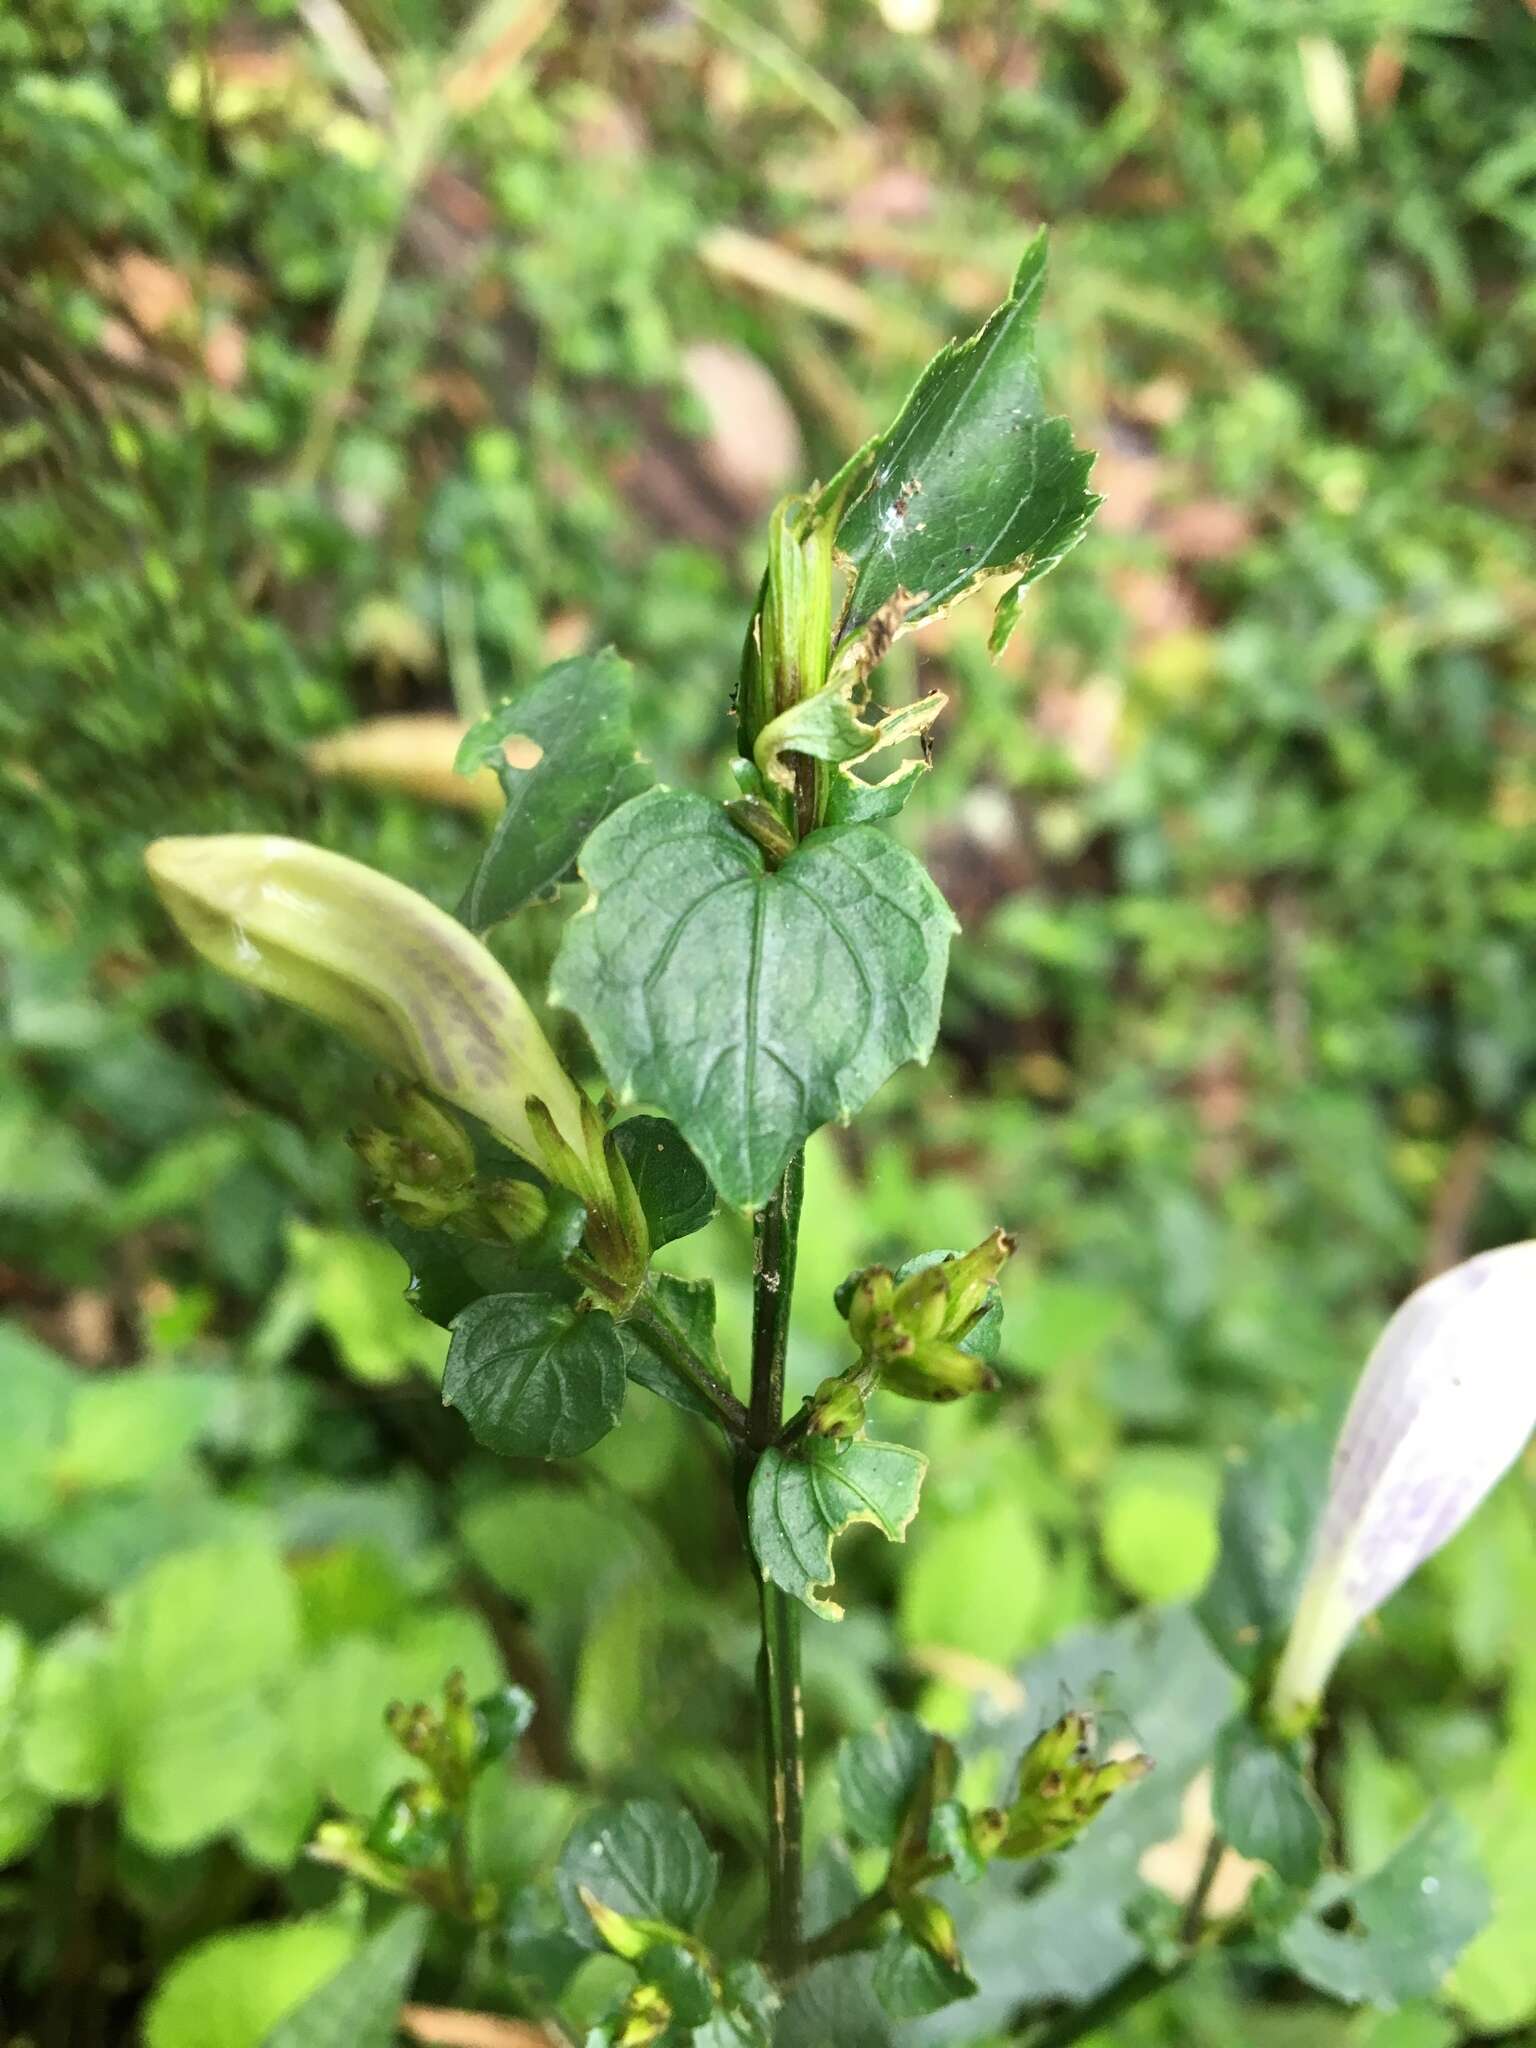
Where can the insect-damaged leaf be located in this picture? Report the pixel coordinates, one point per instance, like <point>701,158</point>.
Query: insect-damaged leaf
<point>803,1498</point>
<point>565,756</point>
<point>973,478</point>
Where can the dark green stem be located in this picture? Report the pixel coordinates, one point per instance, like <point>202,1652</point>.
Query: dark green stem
<point>1194,1913</point>
<point>858,1928</point>
<point>1083,2020</point>
<point>775,1228</point>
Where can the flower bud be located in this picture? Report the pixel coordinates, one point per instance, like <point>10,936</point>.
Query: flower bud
<point>1445,1405</point>
<point>936,1371</point>
<point>386,967</point>
<point>837,1408</point>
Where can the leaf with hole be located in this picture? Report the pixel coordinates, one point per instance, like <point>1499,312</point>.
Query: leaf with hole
<point>803,1498</point>
<point>751,1005</point>
<point>565,756</point>
<point>974,478</point>
<point>1408,1921</point>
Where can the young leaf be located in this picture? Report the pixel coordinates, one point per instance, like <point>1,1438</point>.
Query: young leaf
<point>565,756</point>
<point>360,2005</point>
<point>1264,1806</point>
<point>877,1774</point>
<point>674,1189</point>
<point>532,1377</point>
<point>802,1499</point>
<point>752,1006</point>
<point>973,478</point>
<point>644,1859</point>
<point>852,801</point>
<point>910,1981</point>
<point>1410,1921</point>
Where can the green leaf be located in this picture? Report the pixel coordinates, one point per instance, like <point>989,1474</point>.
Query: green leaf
<point>690,1305</point>
<point>360,2005</point>
<point>355,1295</point>
<point>23,1809</point>
<point>1408,1922</point>
<point>683,1981</point>
<point>751,1006</point>
<point>533,1377</point>
<point>910,1982</point>
<point>125,1429</point>
<point>674,1189</point>
<point>36,1390</point>
<point>1158,1525</point>
<point>202,1642</point>
<point>835,2003</point>
<point>565,756</point>
<point>852,801</point>
<point>1265,1808</point>
<point>448,1272</point>
<point>973,477</point>
<point>1269,1513</point>
<point>644,1859</point>
<point>802,1499</point>
<point>878,1773</point>
<point>68,1740</point>
<point>231,1990</point>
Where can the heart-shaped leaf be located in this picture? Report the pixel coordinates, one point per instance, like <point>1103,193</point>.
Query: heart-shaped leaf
<point>752,1005</point>
<point>533,1377</point>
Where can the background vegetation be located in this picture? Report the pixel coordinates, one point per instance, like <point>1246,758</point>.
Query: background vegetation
<point>355,365</point>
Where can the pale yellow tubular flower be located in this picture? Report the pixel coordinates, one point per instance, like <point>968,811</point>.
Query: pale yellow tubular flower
<point>390,970</point>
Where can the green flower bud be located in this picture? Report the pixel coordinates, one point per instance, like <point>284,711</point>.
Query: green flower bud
<point>937,1371</point>
<point>837,1409</point>
<point>514,1209</point>
<point>869,1306</point>
<point>389,969</point>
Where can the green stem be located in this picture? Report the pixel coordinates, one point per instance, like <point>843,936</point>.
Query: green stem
<point>672,1342</point>
<point>1194,1913</point>
<point>775,1229</point>
<point>857,1928</point>
<point>1083,2020</point>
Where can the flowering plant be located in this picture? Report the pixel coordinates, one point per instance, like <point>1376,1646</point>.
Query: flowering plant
<point>745,972</point>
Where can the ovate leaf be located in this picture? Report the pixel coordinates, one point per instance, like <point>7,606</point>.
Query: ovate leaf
<point>359,2006</point>
<point>973,478</point>
<point>645,1859</point>
<point>1268,1514</point>
<point>803,1498</point>
<point>751,1006</point>
<point>674,1189</point>
<point>533,1377</point>
<point>230,1991</point>
<point>565,756</point>
<point>1407,1923</point>
<point>1264,1806</point>
<point>910,1981</point>
<point>878,1773</point>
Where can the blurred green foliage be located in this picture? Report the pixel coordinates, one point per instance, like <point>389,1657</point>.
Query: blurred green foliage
<point>1242,834</point>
